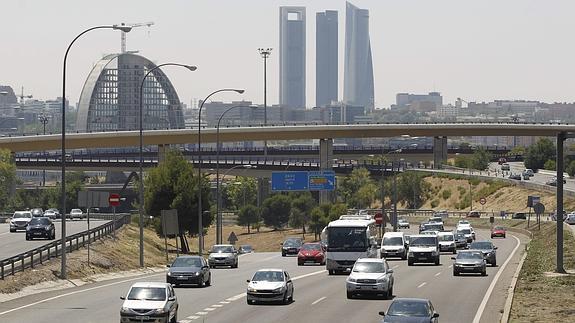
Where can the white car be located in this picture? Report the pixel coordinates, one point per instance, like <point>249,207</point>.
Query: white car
<point>370,276</point>
<point>570,218</point>
<point>270,285</point>
<point>150,302</point>
<point>20,220</point>
<point>393,244</point>
<point>447,242</point>
<point>76,214</point>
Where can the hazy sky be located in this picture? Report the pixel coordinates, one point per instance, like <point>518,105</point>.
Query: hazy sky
<point>477,50</point>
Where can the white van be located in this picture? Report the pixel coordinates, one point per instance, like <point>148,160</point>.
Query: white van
<point>394,244</point>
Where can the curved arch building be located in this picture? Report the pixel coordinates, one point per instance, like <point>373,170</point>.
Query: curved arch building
<point>110,98</point>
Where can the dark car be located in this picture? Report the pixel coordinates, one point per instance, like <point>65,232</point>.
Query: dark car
<point>37,212</point>
<point>40,228</point>
<point>311,253</point>
<point>189,270</point>
<point>460,240</point>
<point>515,176</point>
<point>469,261</point>
<point>423,226</point>
<point>519,215</point>
<point>246,248</point>
<point>488,249</point>
<point>291,246</point>
<point>410,310</point>
<point>434,227</point>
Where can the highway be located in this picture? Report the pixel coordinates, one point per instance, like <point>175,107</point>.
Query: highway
<point>14,243</point>
<point>318,297</point>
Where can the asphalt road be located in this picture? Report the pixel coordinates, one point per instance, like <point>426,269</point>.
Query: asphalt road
<point>318,297</point>
<point>14,243</point>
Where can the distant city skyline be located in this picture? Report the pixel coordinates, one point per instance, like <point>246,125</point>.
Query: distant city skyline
<point>479,51</point>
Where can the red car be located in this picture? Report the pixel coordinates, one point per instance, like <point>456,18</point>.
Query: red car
<point>311,252</point>
<point>498,232</point>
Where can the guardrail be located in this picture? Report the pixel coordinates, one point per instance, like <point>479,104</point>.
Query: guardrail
<point>31,258</point>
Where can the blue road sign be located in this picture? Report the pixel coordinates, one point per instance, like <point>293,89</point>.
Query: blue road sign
<point>321,181</point>
<point>290,181</point>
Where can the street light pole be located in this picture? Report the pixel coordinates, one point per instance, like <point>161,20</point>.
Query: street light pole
<point>141,153</point>
<point>218,198</point>
<point>200,224</point>
<point>63,144</point>
<point>44,120</point>
<point>265,53</point>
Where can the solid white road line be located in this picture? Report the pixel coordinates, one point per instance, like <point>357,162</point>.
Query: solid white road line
<point>76,292</point>
<point>422,284</point>
<point>318,300</point>
<point>481,308</point>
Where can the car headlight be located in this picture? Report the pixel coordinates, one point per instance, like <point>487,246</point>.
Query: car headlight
<point>211,256</point>
<point>47,228</point>
<point>251,289</point>
<point>196,274</point>
<point>351,280</point>
<point>410,254</point>
<point>278,290</point>
<point>382,280</point>
<point>434,253</point>
<point>160,311</point>
<point>125,310</point>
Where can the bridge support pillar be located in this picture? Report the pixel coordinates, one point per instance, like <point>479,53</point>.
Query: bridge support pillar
<point>439,151</point>
<point>325,163</point>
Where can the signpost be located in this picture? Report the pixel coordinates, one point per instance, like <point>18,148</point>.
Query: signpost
<point>232,239</point>
<point>170,226</point>
<point>539,209</point>
<point>482,201</point>
<point>303,181</point>
<point>321,181</point>
<point>114,200</point>
<point>90,199</point>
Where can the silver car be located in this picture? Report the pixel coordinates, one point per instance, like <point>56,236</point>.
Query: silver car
<point>370,276</point>
<point>150,302</point>
<point>270,285</point>
<point>223,255</point>
<point>469,261</point>
<point>488,249</point>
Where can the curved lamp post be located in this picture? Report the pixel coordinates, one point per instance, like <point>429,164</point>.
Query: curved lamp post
<point>200,224</point>
<point>63,193</point>
<point>218,198</point>
<point>141,172</point>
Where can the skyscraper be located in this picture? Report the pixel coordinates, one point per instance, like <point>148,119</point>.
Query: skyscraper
<point>292,57</point>
<point>326,53</point>
<point>358,69</point>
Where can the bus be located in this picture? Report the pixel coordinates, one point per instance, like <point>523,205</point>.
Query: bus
<point>347,239</point>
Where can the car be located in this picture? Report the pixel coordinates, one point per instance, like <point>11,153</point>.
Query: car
<point>20,220</point>
<point>498,231</point>
<point>150,302</point>
<point>76,214</point>
<point>462,223</point>
<point>291,246</point>
<point>422,226</point>
<point>488,249</point>
<point>429,232</point>
<point>528,172</point>
<point>410,310</point>
<point>570,218</point>
<point>519,215</point>
<point>189,270</point>
<point>554,216</point>
<point>553,182</point>
<point>501,161</point>
<point>311,252</point>
<point>223,255</point>
<point>52,214</point>
<point>505,166</point>
<point>468,233</point>
<point>435,220</point>
<point>403,224</point>
<point>442,214</point>
<point>37,212</point>
<point>473,214</point>
<point>515,176</point>
<point>526,177</point>
<point>447,241</point>
<point>423,248</point>
<point>393,244</point>
<point>270,285</point>
<point>460,240</point>
<point>370,276</point>
<point>469,261</point>
<point>40,228</point>
<point>246,248</point>
<point>435,226</point>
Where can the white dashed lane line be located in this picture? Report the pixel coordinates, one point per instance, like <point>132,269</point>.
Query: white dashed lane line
<point>439,273</point>
<point>318,300</point>
<point>422,284</point>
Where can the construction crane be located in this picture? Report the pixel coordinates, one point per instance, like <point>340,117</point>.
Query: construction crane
<point>23,96</point>
<point>123,34</point>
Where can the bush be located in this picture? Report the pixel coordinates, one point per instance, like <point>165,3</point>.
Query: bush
<point>550,165</point>
<point>570,169</point>
<point>434,203</point>
<point>446,194</point>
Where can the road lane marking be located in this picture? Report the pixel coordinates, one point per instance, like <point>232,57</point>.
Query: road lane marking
<point>217,305</point>
<point>184,321</point>
<point>318,300</point>
<point>201,313</point>
<point>422,284</point>
<point>439,273</point>
<point>224,302</point>
<point>481,308</point>
<point>235,298</point>
<point>193,317</point>
<point>77,292</point>
<point>209,309</point>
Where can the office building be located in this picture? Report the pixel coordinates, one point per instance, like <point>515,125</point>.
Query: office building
<point>292,57</point>
<point>326,55</point>
<point>358,68</point>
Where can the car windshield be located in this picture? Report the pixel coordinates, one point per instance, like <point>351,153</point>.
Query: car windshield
<point>187,262</point>
<point>463,222</point>
<point>246,248</point>
<point>392,241</point>
<point>36,221</point>
<point>469,255</point>
<point>311,246</point>
<point>482,245</point>
<point>423,241</point>
<point>435,220</point>
<point>465,231</point>
<point>23,215</point>
<point>498,228</point>
<point>347,238</point>
<point>460,236</point>
<point>222,249</point>
<point>446,237</point>
<point>433,227</point>
<point>369,267</point>
<point>268,276</point>
<point>147,294</point>
<point>402,220</point>
<point>76,211</point>
<point>409,309</point>
<point>292,243</point>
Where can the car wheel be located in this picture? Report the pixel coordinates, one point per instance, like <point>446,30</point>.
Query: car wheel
<point>349,295</point>
<point>455,273</point>
<point>300,263</point>
<point>409,262</point>
<point>290,299</point>
<point>209,282</point>
<point>454,250</point>
<point>331,272</point>
<point>494,263</point>
<point>175,318</point>
<point>12,230</point>
<point>437,261</point>
<point>27,237</point>
<point>248,301</point>
<point>235,265</point>
<point>492,236</point>
<point>285,299</point>
<point>503,236</point>
<point>283,254</point>
<point>404,256</point>
<point>390,292</point>
<point>484,272</point>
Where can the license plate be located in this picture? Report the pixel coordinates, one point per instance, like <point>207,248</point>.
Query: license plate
<point>143,318</point>
<point>422,258</point>
<point>182,278</point>
<point>37,233</point>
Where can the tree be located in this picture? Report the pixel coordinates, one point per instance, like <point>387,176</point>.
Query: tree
<point>276,210</point>
<point>174,185</point>
<point>351,188</point>
<point>550,165</point>
<point>243,192</point>
<point>480,159</point>
<point>301,207</point>
<point>538,153</point>
<point>412,189</point>
<point>570,169</point>
<point>336,210</point>
<point>248,215</point>
<point>8,179</point>
<point>318,221</point>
